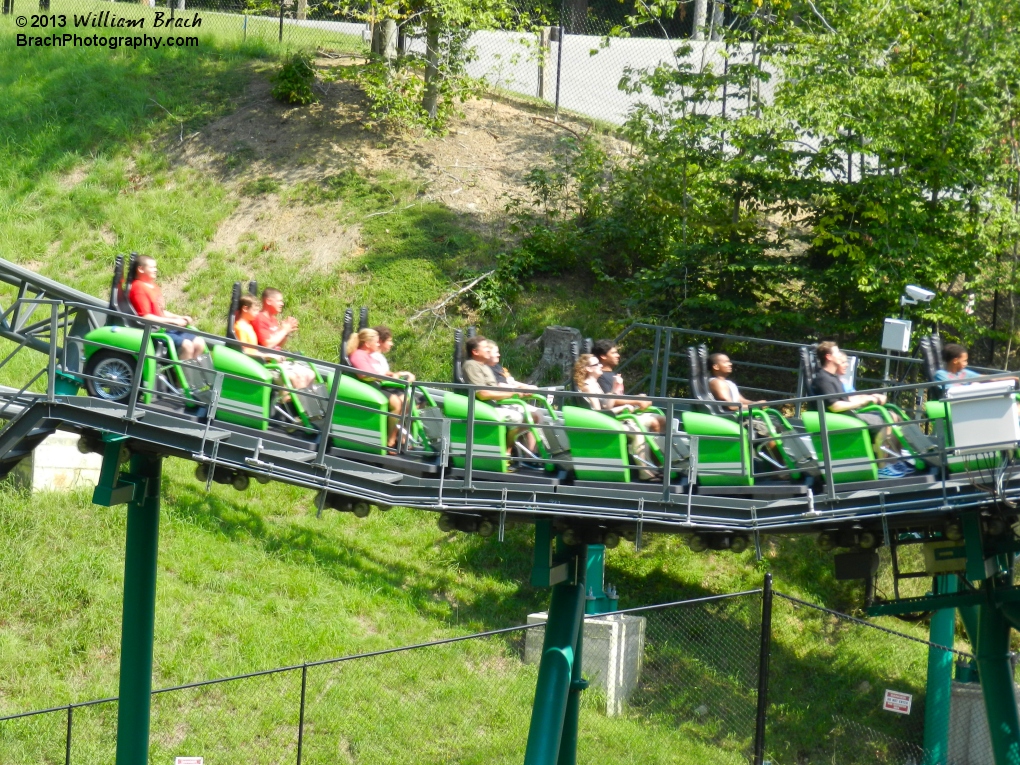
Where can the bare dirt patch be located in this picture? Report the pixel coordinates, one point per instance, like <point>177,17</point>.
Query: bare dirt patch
<point>76,176</point>
<point>311,234</point>
<point>485,156</point>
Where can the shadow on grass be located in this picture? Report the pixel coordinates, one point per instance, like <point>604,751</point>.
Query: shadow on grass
<point>64,104</point>
<point>349,561</point>
<point>700,662</point>
<point>813,572</point>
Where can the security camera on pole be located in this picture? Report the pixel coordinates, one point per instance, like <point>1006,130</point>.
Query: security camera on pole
<point>896,332</point>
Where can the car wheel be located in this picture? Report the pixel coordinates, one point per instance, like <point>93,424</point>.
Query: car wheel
<point>110,376</point>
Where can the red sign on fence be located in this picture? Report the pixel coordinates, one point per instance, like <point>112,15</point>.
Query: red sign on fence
<point>897,702</point>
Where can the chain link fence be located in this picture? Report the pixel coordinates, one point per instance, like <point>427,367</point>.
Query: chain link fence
<point>572,63</point>
<point>675,683</point>
<point>853,714</point>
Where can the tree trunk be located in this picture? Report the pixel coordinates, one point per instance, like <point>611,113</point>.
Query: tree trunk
<point>388,39</point>
<point>430,101</point>
<point>574,14</point>
<point>700,15</point>
<point>718,19</point>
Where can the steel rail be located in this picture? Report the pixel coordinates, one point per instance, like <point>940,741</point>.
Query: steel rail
<point>652,504</point>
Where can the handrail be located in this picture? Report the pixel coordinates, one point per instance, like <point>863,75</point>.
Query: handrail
<point>658,376</point>
<point>467,387</point>
<point>469,495</point>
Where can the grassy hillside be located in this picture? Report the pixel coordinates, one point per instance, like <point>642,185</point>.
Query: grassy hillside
<point>255,581</point>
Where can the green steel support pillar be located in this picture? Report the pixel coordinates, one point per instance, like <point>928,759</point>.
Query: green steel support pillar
<point>940,679</point>
<point>140,488</point>
<point>568,741</point>
<point>996,674</point>
<point>988,629</point>
<point>552,739</point>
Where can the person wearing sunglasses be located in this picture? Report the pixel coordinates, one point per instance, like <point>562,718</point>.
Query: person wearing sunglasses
<point>587,370</point>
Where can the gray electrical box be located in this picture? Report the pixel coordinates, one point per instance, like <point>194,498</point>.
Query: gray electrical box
<point>896,335</point>
<point>983,416</point>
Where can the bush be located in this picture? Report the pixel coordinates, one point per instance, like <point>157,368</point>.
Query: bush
<point>293,83</point>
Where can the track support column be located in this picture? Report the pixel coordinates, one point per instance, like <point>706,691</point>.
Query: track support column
<point>940,679</point>
<point>139,613</point>
<point>988,626</point>
<point>991,648</point>
<point>552,739</point>
<point>140,488</point>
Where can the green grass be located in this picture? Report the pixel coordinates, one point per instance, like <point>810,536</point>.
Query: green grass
<point>253,581</point>
<point>218,28</point>
<point>256,581</point>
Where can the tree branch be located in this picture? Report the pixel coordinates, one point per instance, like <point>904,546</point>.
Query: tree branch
<point>821,17</point>
<point>437,309</point>
<point>559,124</point>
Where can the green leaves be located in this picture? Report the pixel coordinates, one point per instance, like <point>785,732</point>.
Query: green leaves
<point>864,147</point>
<point>292,84</point>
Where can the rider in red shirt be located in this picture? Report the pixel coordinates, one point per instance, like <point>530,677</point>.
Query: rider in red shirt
<point>147,300</point>
<point>273,333</point>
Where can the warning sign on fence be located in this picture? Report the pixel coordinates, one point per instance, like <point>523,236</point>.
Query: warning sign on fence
<point>897,702</point>
<point>189,761</point>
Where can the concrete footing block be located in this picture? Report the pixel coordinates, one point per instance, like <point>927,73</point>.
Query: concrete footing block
<point>969,740</point>
<point>611,656</point>
<point>57,465</point>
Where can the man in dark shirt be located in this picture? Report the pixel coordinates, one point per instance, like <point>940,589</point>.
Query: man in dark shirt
<point>607,353</point>
<point>610,382</point>
<point>827,383</point>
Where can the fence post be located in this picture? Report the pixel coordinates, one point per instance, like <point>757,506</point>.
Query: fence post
<point>301,714</point>
<point>544,44</point>
<point>67,750</point>
<point>763,670</point>
<point>281,20</point>
<point>559,68</point>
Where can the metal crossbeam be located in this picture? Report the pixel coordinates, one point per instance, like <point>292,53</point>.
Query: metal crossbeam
<point>938,602</point>
<point>234,449</point>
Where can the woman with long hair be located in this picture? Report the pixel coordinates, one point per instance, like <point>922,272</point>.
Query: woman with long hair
<point>360,348</point>
<point>586,374</point>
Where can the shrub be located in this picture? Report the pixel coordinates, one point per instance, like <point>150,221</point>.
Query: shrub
<point>293,83</point>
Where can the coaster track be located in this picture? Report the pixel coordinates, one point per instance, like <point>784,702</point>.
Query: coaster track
<point>472,498</point>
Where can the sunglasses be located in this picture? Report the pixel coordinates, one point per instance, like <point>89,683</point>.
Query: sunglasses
<point>596,364</point>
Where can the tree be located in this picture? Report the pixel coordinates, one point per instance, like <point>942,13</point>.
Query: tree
<point>884,151</point>
<point>420,82</point>
<point>918,101</point>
